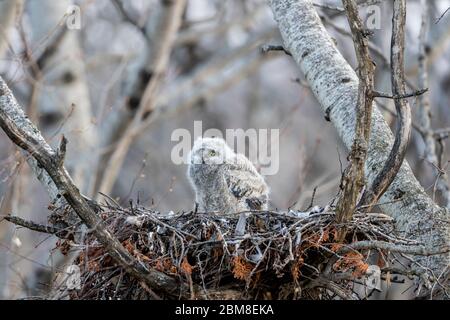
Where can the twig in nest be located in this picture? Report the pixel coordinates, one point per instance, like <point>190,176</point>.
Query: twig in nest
<point>407,249</point>
<point>313,196</point>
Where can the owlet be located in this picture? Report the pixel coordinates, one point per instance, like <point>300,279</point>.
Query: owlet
<point>224,181</point>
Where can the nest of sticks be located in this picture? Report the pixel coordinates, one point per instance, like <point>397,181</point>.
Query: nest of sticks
<point>280,255</point>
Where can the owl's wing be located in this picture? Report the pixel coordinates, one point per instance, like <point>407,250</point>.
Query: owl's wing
<point>246,184</point>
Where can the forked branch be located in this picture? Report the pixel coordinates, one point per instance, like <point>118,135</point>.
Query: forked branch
<point>387,175</point>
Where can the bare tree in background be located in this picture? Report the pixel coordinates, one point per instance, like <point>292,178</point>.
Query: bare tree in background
<point>10,10</point>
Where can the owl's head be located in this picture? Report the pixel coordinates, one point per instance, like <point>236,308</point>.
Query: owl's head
<point>210,151</point>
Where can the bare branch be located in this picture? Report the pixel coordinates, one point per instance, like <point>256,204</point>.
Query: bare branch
<point>424,110</point>
<point>398,151</point>
<point>353,180</point>
<point>120,7</point>
<point>378,94</point>
<point>32,225</point>
<point>442,15</point>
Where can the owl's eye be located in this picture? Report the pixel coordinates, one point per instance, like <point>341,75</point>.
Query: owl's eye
<point>211,153</point>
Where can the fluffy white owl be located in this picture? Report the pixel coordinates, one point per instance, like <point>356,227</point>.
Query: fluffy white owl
<point>223,180</point>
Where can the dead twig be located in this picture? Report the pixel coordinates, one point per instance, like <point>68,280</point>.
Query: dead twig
<point>269,47</point>
<point>378,94</point>
<point>32,225</point>
<point>441,16</point>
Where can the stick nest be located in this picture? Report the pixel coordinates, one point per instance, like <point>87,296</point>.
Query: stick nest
<point>281,255</point>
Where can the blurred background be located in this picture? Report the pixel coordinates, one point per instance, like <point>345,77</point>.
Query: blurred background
<point>116,77</point>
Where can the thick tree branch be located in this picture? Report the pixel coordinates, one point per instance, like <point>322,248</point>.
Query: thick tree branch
<point>32,225</point>
<point>377,94</point>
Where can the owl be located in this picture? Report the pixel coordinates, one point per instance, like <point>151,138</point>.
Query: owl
<point>224,181</point>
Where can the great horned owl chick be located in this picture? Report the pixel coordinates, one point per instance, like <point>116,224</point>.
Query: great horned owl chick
<point>223,180</point>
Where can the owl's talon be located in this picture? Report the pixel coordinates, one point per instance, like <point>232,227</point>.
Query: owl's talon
<point>254,203</point>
